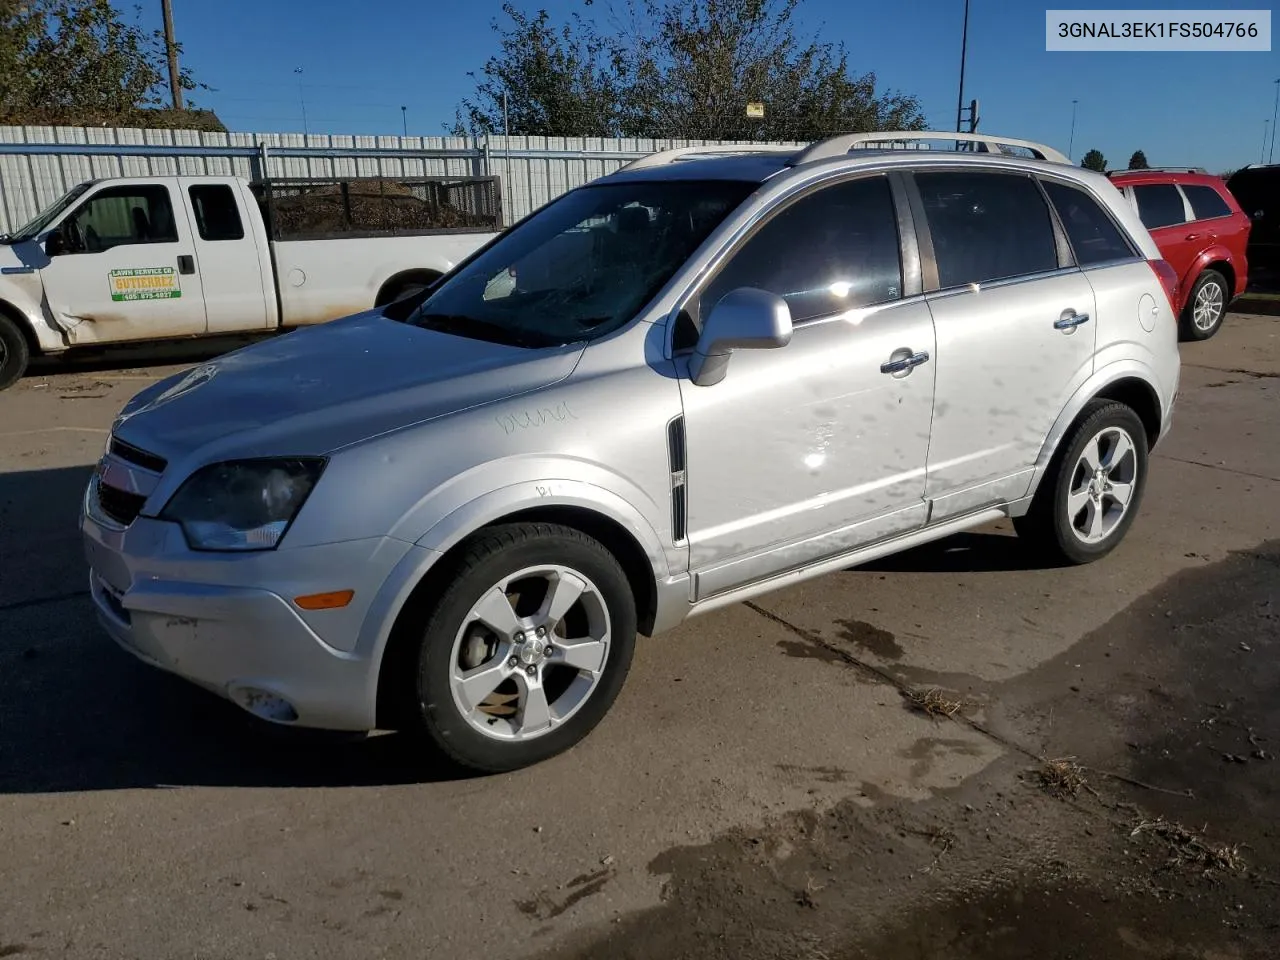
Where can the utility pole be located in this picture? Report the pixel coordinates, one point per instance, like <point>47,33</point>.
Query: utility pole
<point>1274,112</point>
<point>1071,142</point>
<point>964,49</point>
<point>171,48</point>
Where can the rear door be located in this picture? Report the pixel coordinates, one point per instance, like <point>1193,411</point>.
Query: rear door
<point>1015,333</point>
<point>229,256</point>
<point>128,270</point>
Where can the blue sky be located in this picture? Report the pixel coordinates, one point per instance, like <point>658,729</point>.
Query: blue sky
<point>361,62</point>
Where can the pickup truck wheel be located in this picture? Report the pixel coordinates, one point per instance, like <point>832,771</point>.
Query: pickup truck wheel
<point>1090,495</point>
<point>1206,307</point>
<point>526,648</point>
<point>14,352</point>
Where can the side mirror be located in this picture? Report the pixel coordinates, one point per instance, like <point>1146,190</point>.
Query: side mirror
<point>55,244</point>
<point>744,319</point>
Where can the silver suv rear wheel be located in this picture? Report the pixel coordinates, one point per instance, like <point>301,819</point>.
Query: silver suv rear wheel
<point>1090,494</point>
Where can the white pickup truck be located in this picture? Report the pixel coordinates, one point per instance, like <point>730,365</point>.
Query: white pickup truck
<point>159,258</point>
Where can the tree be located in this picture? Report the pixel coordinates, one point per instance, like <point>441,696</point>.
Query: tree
<point>1094,160</point>
<point>678,69</point>
<point>79,62</point>
<point>1138,161</point>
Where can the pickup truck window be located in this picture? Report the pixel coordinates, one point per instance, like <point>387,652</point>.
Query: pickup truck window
<point>217,217</point>
<point>122,215</point>
<point>583,265</point>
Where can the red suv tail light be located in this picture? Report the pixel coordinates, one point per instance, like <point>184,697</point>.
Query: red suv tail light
<point>1168,278</point>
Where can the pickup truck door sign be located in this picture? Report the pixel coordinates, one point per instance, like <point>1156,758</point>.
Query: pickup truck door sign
<point>144,283</point>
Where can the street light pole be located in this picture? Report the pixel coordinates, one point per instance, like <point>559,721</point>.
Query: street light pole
<point>964,49</point>
<point>1274,111</point>
<point>303,101</point>
<point>1072,141</point>
<point>1262,155</point>
<point>404,120</point>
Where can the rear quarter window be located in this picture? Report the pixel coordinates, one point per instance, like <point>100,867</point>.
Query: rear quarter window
<point>1206,202</point>
<point>1093,235</point>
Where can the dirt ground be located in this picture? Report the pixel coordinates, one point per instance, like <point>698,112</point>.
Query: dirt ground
<point>949,753</point>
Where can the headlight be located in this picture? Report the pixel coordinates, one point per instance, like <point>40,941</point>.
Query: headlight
<point>242,504</point>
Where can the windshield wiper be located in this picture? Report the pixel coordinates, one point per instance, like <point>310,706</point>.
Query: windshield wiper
<point>484,330</point>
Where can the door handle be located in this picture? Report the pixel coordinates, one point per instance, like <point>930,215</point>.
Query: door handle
<point>186,263</point>
<point>1192,236</point>
<point>903,364</point>
<point>1070,320</point>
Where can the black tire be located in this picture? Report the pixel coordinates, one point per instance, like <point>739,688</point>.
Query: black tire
<point>491,555</point>
<point>14,352</point>
<point>1049,527</point>
<point>1187,323</point>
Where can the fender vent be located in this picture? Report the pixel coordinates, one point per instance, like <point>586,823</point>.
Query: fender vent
<point>676,457</point>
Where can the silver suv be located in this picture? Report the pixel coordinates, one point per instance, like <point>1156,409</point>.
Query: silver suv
<point>703,377</point>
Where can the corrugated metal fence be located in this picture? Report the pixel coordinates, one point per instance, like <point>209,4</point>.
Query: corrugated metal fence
<point>38,164</point>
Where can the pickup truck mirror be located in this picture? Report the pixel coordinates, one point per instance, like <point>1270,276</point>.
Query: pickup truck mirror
<point>743,319</point>
<point>55,243</point>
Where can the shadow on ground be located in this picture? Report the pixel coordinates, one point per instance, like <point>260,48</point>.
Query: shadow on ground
<point>972,552</point>
<point>78,713</point>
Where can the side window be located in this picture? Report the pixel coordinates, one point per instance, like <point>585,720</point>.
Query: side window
<point>829,251</point>
<point>1206,203</point>
<point>217,217</point>
<point>1159,205</point>
<point>1093,234</point>
<point>122,215</point>
<point>986,226</point>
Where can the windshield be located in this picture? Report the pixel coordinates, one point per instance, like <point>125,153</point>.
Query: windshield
<point>583,265</point>
<point>32,229</point>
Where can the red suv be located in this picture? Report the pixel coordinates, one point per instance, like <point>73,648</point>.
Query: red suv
<point>1202,233</point>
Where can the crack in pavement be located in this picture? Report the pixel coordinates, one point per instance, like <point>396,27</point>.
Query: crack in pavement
<point>1241,371</point>
<point>1216,466</point>
<point>910,693</point>
<point>41,601</point>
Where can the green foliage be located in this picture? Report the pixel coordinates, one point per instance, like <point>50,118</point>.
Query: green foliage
<point>1138,161</point>
<point>1094,160</point>
<point>79,62</point>
<point>677,69</point>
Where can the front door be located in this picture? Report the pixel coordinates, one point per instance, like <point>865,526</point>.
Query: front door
<point>810,450</point>
<point>127,270</point>
<point>1015,321</point>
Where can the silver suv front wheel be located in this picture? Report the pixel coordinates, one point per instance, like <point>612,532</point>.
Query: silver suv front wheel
<point>526,648</point>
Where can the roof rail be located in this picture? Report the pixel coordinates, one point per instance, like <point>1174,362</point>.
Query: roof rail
<point>841,145</point>
<point>725,149</point>
<point>1159,170</point>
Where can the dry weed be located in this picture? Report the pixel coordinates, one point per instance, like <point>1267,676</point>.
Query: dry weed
<point>934,703</point>
<point>1189,849</point>
<point>1062,777</point>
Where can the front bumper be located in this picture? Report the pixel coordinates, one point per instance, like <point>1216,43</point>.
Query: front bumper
<point>227,621</point>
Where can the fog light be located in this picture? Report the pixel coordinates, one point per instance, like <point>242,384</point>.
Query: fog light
<point>264,704</point>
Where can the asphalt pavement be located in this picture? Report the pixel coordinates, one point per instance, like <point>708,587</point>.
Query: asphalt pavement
<point>770,783</point>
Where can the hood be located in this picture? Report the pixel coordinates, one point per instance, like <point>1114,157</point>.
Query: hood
<point>320,388</point>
